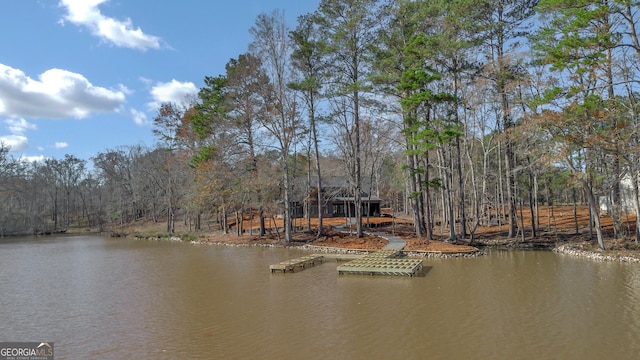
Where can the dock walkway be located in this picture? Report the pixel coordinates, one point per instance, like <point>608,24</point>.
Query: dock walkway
<point>395,242</point>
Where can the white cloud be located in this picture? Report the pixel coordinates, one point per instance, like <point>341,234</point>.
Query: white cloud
<point>125,90</point>
<point>139,117</point>
<point>15,142</point>
<point>61,145</point>
<point>146,81</point>
<point>119,33</point>
<point>57,94</point>
<point>174,91</point>
<point>19,126</point>
<point>32,159</point>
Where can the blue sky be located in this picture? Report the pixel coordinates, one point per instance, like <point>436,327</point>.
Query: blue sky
<point>84,76</point>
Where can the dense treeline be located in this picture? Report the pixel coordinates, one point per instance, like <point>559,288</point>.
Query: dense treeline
<point>457,112</point>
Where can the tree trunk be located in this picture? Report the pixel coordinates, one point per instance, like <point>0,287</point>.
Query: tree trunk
<point>511,196</point>
<point>461,189</point>
<point>225,223</point>
<point>447,166</point>
<point>426,198</point>
<point>475,205</point>
<point>288,236</point>
<point>500,209</point>
<point>463,216</point>
<point>531,206</point>
<point>238,223</point>
<point>594,207</point>
<point>358,187</point>
<point>307,201</point>
<point>414,195</point>
<point>575,210</point>
<point>636,202</point>
<point>263,231</point>
<point>320,192</point>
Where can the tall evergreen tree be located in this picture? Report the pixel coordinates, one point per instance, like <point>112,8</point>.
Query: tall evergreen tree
<point>574,43</point>
<point>307,60</point>
<point>348,28</point>
<point>506,24</point>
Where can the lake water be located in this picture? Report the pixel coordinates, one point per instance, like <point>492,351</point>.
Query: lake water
<point>114,298</point>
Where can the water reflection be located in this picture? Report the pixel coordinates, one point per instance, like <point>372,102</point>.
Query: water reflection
<point>107,298</point>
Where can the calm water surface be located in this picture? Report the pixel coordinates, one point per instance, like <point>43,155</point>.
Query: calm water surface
<point>104,298</point>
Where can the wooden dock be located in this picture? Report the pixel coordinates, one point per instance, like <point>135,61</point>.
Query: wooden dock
<point>383,262</point>
<point>297,264</point>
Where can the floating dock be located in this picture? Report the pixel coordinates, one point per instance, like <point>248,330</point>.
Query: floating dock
<point>297,264</point>
<point>383,262</point>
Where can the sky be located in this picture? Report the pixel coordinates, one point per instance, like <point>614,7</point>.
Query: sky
<point>81,77</point>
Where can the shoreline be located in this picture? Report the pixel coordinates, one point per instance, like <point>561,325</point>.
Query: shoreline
<point>574,249</point>
<point>350,251</point>
<point>564,249</point>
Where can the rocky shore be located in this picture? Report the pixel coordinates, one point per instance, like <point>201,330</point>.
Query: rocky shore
<point>444,255</point>
<point>613,255</point>
<point>338,250</point>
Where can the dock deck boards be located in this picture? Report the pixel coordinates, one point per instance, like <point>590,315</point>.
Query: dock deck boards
<point>300,263</point>
<point>384,262</point>
<point>381,262</point>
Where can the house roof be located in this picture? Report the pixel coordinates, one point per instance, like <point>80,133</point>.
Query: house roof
<point>352,199</point>
<point>334,187</point>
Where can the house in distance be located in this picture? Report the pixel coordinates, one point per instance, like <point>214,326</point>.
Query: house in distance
<point>338,199</point>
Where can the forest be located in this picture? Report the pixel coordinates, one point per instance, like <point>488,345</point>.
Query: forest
<point>458,113</point>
